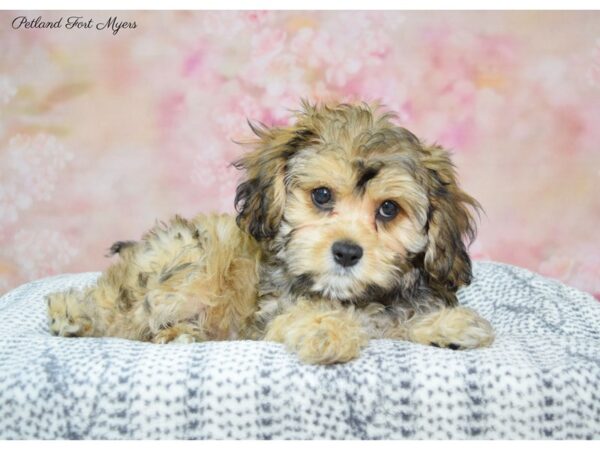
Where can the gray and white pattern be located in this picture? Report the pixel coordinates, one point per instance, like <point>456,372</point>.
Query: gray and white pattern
<point>540,379</point>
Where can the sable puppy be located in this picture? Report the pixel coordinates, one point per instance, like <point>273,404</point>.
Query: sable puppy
<point>348,228</point>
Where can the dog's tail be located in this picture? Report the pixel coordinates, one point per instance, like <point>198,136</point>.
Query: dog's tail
<point>119,247</point>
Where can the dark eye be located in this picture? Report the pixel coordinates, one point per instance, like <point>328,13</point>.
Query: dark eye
<point>388,210</point>
<point>321,196</point>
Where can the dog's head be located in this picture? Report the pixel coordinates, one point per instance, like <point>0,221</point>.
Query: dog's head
<point>355,206</point>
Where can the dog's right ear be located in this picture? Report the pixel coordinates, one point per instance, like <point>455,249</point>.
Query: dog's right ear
<point>260,197</point>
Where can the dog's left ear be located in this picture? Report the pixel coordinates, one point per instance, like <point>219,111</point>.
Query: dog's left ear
<point>450,223</point>
<point>260,197</point>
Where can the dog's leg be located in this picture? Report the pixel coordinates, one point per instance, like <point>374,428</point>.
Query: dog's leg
<point>319,332</point>
<point>455,328</point>
<point>71,314</point>
<point>183,332</point>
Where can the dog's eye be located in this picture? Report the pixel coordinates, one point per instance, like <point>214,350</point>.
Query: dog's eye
<point>388,210</point>
<point>321,196</point>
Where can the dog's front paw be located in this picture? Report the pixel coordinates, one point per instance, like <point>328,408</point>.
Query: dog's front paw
<point>454,328</point>
<point>328,341</point>
<point>319,337</point>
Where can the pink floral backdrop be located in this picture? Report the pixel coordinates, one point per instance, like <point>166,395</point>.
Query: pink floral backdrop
<point>102,134</point>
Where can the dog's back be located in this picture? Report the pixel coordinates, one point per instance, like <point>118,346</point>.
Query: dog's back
<point>186,280</point>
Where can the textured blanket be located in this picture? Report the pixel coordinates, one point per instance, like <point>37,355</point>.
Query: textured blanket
<point>540,379</point>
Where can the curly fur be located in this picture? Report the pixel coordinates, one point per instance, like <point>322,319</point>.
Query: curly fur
<point>269,273</point>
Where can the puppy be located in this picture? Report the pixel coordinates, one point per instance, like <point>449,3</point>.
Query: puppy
<point>349,228</point>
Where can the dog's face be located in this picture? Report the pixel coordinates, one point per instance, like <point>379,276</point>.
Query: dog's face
<point>352,205</point>
<point>353,214</point>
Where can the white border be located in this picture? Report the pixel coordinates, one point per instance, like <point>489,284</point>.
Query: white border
<point>299,445</point>
<point>298,5</point>
<point>301,4</point>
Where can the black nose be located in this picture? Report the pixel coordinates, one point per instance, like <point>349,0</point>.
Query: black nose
<point>346,253</point>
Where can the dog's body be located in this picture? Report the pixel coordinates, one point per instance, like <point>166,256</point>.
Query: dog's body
<point>348,229</point>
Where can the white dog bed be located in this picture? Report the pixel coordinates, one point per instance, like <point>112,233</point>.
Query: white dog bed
<point>540,379</point>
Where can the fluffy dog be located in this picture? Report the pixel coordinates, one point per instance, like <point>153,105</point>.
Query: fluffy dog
<point>348,228</point>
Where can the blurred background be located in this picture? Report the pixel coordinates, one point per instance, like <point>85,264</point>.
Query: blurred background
<point>102,134</point>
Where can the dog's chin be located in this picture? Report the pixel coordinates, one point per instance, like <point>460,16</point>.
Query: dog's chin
<point>340,285</point>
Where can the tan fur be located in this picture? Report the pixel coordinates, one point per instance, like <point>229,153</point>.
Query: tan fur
<point>201,273</point>
<point>461,327</point>
<point>319,332</point>
<point>274,277</point>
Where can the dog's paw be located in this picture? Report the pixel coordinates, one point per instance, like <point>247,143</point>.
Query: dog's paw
<point>326,345</point>
<point>184,339</point>
<point>178,334</point>
<point>66,316</point>
<point>319,337</point>
<point>454,328</point>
